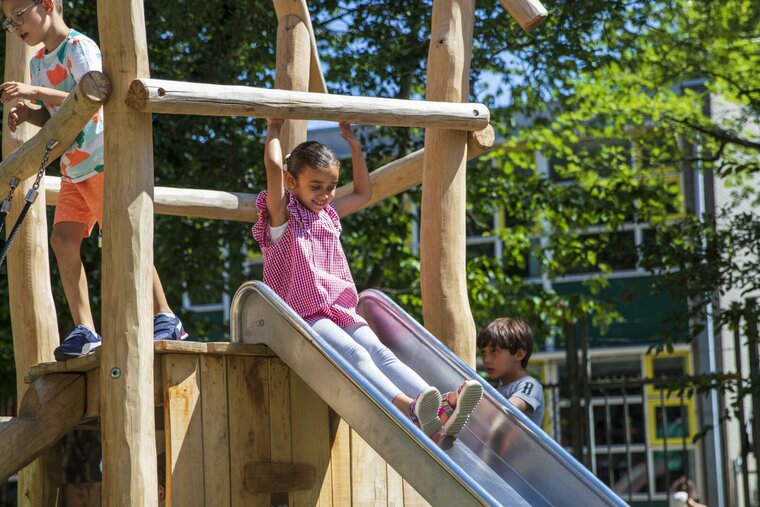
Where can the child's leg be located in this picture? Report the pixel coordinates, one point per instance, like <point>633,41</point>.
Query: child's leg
<point>357,356</point>
<point>397,372</point>
<point>66,241</point>
<point>160,305</point>
<point>166,325</point>
<point>423,409</point>
<point>79,207</point>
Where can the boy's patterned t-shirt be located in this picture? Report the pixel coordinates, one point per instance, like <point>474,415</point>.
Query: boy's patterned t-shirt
<point>531,392</point>
<point>62,69</point>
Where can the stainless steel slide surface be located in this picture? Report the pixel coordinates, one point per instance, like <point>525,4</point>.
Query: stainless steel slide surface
<point>500,458</point>
<point>500,436</point>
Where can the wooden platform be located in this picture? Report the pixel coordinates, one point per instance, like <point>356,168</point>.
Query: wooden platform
<point>240,428</point>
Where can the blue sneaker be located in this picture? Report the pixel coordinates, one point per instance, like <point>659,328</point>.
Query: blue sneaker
<point>168,327</point>
<point>80,342</point>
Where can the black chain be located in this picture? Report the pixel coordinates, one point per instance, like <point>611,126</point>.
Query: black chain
<point>31,196</point>
<point>6,206</point>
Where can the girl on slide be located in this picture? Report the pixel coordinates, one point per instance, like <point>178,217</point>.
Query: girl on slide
<point>299,233</point>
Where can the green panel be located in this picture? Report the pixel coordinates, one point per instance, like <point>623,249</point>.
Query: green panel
<point>648,314</point>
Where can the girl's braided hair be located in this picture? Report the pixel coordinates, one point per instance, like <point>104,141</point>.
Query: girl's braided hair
<point>310,154</point>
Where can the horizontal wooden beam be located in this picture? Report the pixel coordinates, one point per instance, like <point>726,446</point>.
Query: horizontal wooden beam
<point>405,173</point>
<point>178,97</point>
<point>50,408</point>
<point>212,348</point>
<point>187,202</point>
<point>387,181</point>
<point>528,13</point>
<point>278,477</point>
<point>82,103</point>
<point>81,364</point>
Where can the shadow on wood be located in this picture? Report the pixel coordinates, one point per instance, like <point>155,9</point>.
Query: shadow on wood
<point>51,407</point>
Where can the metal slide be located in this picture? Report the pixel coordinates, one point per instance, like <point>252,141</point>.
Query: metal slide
<point>499,458</point>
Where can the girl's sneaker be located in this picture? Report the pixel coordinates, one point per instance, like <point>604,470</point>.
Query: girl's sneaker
<point>423,411</point>
<point>468,397</point>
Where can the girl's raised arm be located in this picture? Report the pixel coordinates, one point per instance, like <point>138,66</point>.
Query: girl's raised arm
<point>276,202</point>
<point>362,192</point>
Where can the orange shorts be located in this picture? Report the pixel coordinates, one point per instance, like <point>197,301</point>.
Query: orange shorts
<point>81,203</point>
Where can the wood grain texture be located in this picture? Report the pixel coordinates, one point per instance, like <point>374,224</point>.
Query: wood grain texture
<point>387,181</point>
<point>179,97</point>
<point>292,73</point>
<point>299,9</point>
<point>216,438</point>
<point>128,424</point>
<point>82,103</point>
<point>248,405</point>
<point>278,477</point>
<point>445,306</point>
<point>33,318</point>
<point>528,13</point>
<point>183,425</point>
<point>50,408</point>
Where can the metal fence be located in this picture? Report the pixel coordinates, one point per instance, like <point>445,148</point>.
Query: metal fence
<point>642,436</point>
<point>635,434</point>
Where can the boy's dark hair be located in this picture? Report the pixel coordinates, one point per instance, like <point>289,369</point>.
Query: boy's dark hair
<point>310,154</point>
<point>510,334</point>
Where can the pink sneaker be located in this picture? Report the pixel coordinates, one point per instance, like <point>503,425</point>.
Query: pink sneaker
<point>423,411</point>
<point>468,397</point>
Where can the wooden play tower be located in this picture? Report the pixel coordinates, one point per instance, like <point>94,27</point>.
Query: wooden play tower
<point>240,428</point>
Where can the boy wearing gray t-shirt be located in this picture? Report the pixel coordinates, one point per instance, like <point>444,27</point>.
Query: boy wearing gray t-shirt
<point>506,345</point>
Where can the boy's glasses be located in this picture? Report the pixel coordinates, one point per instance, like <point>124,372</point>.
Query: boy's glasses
<point>17,18</point>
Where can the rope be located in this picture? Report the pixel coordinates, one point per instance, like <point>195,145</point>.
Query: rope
<point>31,196</point>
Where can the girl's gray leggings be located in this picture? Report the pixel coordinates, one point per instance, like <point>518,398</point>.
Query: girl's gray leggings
<point>359,345</point>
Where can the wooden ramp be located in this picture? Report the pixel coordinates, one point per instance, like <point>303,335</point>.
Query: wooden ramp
<point>239,428</point>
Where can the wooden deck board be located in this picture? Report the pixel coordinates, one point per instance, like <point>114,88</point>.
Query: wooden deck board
<point>92,361</point>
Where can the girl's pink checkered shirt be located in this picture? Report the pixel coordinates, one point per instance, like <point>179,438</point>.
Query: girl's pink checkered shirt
<point>306,267</point>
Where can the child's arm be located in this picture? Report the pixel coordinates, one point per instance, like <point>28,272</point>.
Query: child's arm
<point>21,113</point>
<point>13,90</point>
<point>521,404</point>
<point>277,205</point>
<point>362,188</point>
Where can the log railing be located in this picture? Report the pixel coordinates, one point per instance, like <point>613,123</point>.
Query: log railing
<point>528,13</point>
<point>387,181</point>
<point>82,103</point>
<point>179,97</point>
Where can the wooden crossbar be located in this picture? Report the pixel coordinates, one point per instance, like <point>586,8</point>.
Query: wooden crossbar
<point>387,181</point>
<point>179,97</point>
<point>82,103</point>
<point>528,13</point>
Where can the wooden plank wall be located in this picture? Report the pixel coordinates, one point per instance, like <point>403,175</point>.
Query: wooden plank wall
<point>224,412</point>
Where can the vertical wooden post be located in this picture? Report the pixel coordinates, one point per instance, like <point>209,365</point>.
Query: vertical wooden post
<point>299,9</point>
<point>292,73</point>
<point>33,317</point>
<point>445,307</point>
<point>127,418</point>
<point>308,441</point>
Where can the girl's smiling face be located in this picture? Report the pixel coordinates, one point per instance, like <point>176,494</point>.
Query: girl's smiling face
<point>314,188</point>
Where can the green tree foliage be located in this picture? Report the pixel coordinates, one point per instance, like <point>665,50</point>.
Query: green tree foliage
<point>619,71</point>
